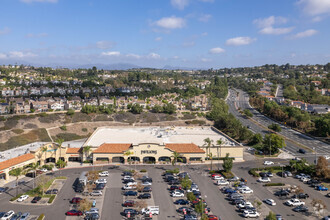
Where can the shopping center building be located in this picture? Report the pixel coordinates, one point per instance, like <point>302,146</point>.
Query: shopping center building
<point>135,145</point>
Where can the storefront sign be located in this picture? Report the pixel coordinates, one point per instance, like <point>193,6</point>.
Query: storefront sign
<point>148,152</point>
<point>74,155</point>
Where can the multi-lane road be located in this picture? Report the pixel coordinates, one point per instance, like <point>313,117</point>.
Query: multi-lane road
<point>294,140</point>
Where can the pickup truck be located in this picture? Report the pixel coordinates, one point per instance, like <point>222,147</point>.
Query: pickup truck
<point>154,210</point>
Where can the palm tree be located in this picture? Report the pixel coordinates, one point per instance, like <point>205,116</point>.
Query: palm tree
<point>127,154</point>
<point>86,150</point>
<point>208,142</point>
<point>59,142</point>
<point>17,173</point>
<point>176,157</point>
<point>210,155</point>
<point>219,143</point>
<point>34,167</point>
<point>44,151</point>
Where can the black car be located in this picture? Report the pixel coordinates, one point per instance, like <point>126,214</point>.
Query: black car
<point>132,212</point>
<point>128,181</point>
<point>302,151</point>
<point>16,216</point>
<point>146,179</point>
<point>127,173</point>
<point>282,193</point>
<point>262,174</point>
<point>174,182</point>
<point>300,196</point>
<point>181,202</point>
<point>36,199</point>
<point>196,193</point>
<point>52,191</point>
<point>146,189</point>
<point>130,193</point>
<point>144,196</point>
<point>301,208</point>
<point>92,216</point>
<point>187,209</point>
<point>237,201</point>
<point>99,186</point>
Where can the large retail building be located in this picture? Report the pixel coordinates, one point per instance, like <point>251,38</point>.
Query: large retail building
<point>135,144</point>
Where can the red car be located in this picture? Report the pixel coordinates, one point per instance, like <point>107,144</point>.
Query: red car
<point>175,187</point>
<point>128,203</point>
<point>215,174</point>
<point>74,213</point>
<point>213,217</point>
<point>197,201</point>
<point>75,200</point>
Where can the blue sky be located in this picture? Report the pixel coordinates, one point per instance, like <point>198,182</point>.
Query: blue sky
<point>155,33</point>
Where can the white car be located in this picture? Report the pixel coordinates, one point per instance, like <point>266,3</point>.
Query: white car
<point>92,210</point>
<point>218,178</point>
<point>222,182</point>
<point>268,162</point>
<point>22,198</point>
<point>270,202</point>
<point>246,191</point>
<point>8,215</point>
<point>304,179</point>
<point>131,184</point>
<point>193,189</point>
<point>264,179</point>
<point>294,202</point>
<point>177,194</point>
<point>101,181</point>
<point>251,214</point>
<point>126,187</point>
<point>104,173</point>
<point>96,193</point>
<point>245,205</point>
<point>327,157</point>
<point>239,188</point>
<point>128,178</point>
<point>146,184</point>
<point>44,170</point>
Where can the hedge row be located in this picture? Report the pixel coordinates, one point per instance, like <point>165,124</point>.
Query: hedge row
<point>274,184</point>
<point>253,172</point>
<point>16,197</point>
<point>41,217</point>
<point>51,199</point>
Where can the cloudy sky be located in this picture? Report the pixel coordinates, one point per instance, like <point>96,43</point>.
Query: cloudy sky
<point>155,33</point>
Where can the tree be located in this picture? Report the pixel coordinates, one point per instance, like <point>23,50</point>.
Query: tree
<point>271,216</point>
<point>59,141</point>
<point>176,157</point>
<point>42,183</point>
<point>44,151</point>
<point>186,183</point>
<point>136,109</point>
<point>200,207</point>
<point>17,172</point>
<point>128,154</point>
<point>227,163</point>
<point>34,167</point>
<point>219,143</point>
<point>169,108</point>
<point>70,112</point>
<point>84,205</point>
<point>157,109</point>
<point>275,127</point>
<point>272,143</point>
<point>60,163</point>
<point>256,139</point>
<point>248,113</point>
<point>190,196</point>
<point>210,156</point>
<point>86,151</point>
<point>208,142</point>
<point>322,169</point>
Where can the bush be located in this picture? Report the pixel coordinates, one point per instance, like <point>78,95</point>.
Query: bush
<point>41,217</point>
<point>143,171</point>
<point>274,184</point>
<point>176,170</point>
<point>191,196</point>
<point>16,197</point>
<point>63,128</point>
<point>48,167</point>
<point>18,131</point>
<point>84,129</point>
<point>70,112</point>
<point>253,172</point>
<point>51,199</point>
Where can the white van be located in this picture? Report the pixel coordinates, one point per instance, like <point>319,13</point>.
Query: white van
<point>154,210</point>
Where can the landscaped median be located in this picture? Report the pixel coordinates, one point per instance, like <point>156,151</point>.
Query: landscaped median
<point>44,183</point>
<point>41,217</point>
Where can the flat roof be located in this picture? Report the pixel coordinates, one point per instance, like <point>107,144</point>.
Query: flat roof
<point>158,135</point>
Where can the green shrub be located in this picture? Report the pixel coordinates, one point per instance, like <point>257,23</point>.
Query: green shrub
<point>18,131</point>
<point>16,197</point>
<point>84,129</point>
<point>41,217</point>
<point>191,196</point>
<point>63,128</point>
<point>51,199</point>
<point>274,184</point>
<point>253,172</point>
<point>70,112</point>
<point>143,171</point>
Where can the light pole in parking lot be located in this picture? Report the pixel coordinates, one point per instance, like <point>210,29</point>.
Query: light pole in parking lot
<point>314,155</point>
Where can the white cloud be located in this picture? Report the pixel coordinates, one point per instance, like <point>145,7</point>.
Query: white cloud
<point>171,22</point>
<point>153,56</point>
<point>238,41</point>
<point>266,25</point>
<point>132,55</point>
<point>205,17</point>
<point>4,31</point>
<point>216,50</point>
<point>315,7</point>
<point>104,44</point>
<point>205,60</point>
<point>30,35</point>
<point>275,31</point>
<point>179,4</point>
<point>31,1</point>
<point>307,33</point>
<point>3,56</point>
<point>110,53</point>
<point>158,38</point>
<point>20,54</point>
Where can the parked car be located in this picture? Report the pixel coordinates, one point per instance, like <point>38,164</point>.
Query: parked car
<point>321,188</point>
<point>181,202</point>
<point>92,210</point>
<point>244,204</point>
<point>269,174</point>
<point>187,209</point>
<point>101,181</point>
<point>44,170</point>
<point>282,193</point>
<point>75,200</point>
<point>153,210</point>
<point>96,193</point>
<point>36,199</point>
<point>302,151</point>
<point>2,189</point>
<point>190,217</point>
<point>130,193</point>
<point>74,212</point>
<point>128,203</point>
<point>146,189</point>
<point>300,196</point>
<point>132,212</point>
<point>126,187</point>
<point>146,184</point>
<point>25,216</point>
<point>301,208</point>
<point>251,214</point>
<point>8,215</point>
<point>172,188</point>
<point>294,202</point>
<point>92,216</point>
<point>288,173</point>
<point>218,177</point>
<point>52,191</point>
<point>268,162</point>
<point>17,216</point>
<point>233,179</point>
<point>270,202</point>
<point>246,191</point>
<point>144,196</point>
<point>104,173</point>
<point>212,217</point>
<point>222,182</point>
<point>177,194</point>
<point>99,186</point>
<point>22,198</point>
<point>264,179</point>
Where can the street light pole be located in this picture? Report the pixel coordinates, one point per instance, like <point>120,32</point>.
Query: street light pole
<point>314,155</point>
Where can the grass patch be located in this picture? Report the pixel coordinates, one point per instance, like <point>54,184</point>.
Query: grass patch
<point>126,117</point>
<point>143,171</point>
<point>69,136</point>
<point>17,131</point>
<point>78,116</point>
<point>41,217</point>
<point>102,118</point>
<point>63,128</point>
<point>48,118</point>
<point>23,139</point>
<point>188,116</point>
<point>84,129</point>
<point>51,199</point>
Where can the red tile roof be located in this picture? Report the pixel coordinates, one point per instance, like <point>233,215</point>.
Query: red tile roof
<point>184,148</point>
<point>16,160</point>
<point>112,148</point>
<point>73,150</point>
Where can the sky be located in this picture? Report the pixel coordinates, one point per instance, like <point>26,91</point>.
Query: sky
<point>158,33</point>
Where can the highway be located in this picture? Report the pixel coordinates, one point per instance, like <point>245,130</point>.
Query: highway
<point>294,139</point>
